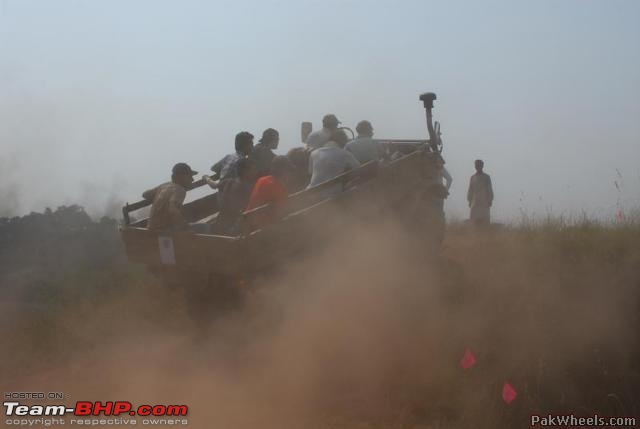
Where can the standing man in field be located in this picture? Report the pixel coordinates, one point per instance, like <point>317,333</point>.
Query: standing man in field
<point>480,196</point>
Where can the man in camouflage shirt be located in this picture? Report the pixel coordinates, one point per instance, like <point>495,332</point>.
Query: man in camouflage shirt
<point>166,209</point>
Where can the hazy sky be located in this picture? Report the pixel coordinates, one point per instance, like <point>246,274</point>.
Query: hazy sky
<point>98,99</point>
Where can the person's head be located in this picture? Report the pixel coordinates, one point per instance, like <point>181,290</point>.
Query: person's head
<point>281,167</point>
<point>244,142</point>
<point>479,164</point>
<point>247,170</point>
<point>270,138</point>
<point>330,122</point>
<point>340,137</point>
<point>364,129</point>
<point>182,174</point>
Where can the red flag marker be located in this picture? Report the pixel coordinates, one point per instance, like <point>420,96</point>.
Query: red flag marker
<point>508,393</point>
<point>468,359</point>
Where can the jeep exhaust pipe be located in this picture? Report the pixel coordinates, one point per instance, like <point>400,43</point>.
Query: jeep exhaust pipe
<point>434,136</point>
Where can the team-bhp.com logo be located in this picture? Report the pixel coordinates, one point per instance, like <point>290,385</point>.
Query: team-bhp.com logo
<point>85,408</point>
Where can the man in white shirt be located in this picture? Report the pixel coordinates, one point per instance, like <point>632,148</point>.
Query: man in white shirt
<point>330,161</point>
<point>364,147</point>
<point>318,138</point>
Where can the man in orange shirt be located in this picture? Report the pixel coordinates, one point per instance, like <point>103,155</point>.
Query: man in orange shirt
<point>271,190</point>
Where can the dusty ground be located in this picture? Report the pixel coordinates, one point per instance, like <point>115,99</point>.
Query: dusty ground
<point>367,334</point>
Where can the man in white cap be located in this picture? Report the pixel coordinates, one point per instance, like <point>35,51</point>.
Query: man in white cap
<point>318,138</point>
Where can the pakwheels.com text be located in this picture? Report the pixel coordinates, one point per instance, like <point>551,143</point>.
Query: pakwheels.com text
<point>570,420</point>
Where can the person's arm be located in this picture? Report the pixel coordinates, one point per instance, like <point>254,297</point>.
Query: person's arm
<point>150,194</point>
<point>213,184</point>
<point>490,191</point>
<point>217,167</point>
<point>447,178</point>
<point>470,191</point>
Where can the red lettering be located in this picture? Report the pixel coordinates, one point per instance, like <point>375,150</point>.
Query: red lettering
<point>121,407</point>
<point>144,410</point>
<point>99,408</point>
<point>159,410</point>
<point>177,410</point>
<point>82,408</point>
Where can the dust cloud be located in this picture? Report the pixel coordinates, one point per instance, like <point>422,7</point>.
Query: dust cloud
<point>368,332</point>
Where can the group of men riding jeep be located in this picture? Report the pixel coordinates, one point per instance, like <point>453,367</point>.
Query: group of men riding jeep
<point>254,176</point>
